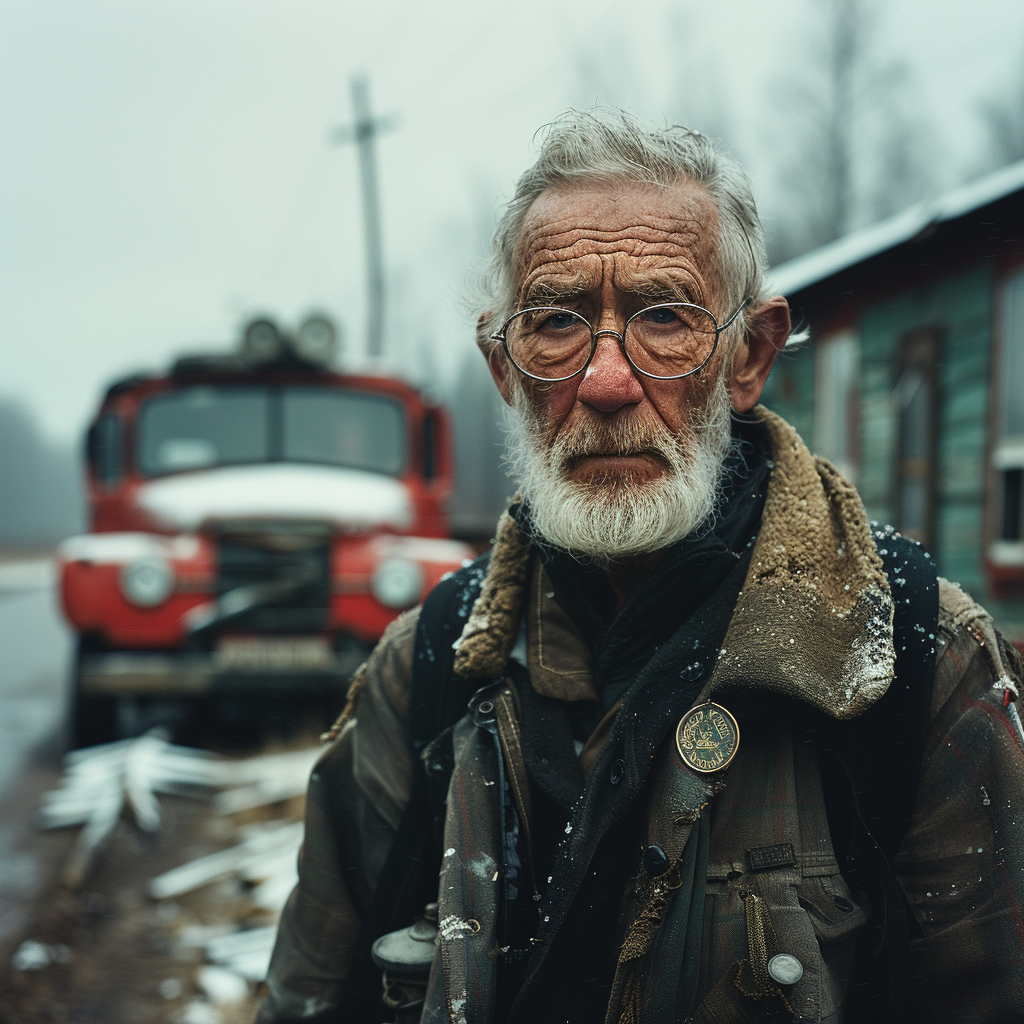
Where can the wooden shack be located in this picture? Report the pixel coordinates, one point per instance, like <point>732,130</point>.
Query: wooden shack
<point>912,380</point>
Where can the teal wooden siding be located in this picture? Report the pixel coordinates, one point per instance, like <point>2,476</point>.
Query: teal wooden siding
<point>790,390</point>
<point>960,308</point>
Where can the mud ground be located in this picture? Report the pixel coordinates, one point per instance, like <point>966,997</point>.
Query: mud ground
<point>117,955</point>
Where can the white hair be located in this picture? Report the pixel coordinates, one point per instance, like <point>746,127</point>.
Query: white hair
<point>618,517</point>
<point>611,146</point>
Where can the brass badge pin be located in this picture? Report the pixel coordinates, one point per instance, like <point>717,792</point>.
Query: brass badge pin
<point>707,738</point>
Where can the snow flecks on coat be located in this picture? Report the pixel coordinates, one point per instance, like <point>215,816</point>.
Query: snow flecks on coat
<point>815,576</point>
<point>454,927</point>
<point>457,1010</point>
<point>490,632</point>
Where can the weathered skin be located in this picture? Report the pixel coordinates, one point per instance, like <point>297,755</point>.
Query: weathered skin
<point>608,252</point>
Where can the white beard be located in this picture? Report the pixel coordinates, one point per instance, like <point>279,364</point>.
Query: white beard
<point>611,518</point>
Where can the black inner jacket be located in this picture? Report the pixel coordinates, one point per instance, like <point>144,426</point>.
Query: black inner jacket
<point>667,610</point>
<point>684,578</point>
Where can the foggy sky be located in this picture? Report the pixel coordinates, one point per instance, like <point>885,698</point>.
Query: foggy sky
<point>165,169</point>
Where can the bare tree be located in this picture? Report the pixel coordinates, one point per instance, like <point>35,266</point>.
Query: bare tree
<point>1003,116</point>
<point>611,73</point>
<point>861,141</point>
<point>482,488</point>
<point>42,490</point>
<point>476,407</point>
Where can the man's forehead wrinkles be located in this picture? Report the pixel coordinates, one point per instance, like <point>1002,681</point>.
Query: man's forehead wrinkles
<point>591,261</point>
<point>627,271</point>
<point>657,246</point>
<point>637,238</point>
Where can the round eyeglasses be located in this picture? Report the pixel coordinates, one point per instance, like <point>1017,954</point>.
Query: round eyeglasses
<point>666,341</point>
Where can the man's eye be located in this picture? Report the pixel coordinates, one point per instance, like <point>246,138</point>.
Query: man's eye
<point>662,315</point>
<point>559,321</point>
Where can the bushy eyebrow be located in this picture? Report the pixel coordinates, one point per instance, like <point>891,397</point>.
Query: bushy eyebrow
<point>655,287</point>
<point>560,292</point>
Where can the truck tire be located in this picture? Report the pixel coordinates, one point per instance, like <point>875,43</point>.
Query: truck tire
<point>93,718</point>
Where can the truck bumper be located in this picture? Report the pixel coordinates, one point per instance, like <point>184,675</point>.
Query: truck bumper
<point>150,674</point>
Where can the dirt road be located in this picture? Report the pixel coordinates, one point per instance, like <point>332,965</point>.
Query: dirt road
<point>108,950</point>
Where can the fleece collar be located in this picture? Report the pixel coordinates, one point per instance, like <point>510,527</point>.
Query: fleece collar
<point>813,620</point>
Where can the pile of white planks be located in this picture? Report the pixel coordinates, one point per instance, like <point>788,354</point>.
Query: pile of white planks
<point>103,783</point>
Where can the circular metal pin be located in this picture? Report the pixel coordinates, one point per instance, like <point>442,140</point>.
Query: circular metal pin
<point>785,968</point>
<point>707,738</point>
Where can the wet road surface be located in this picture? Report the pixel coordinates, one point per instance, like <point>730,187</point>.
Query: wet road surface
<point>35,652</point>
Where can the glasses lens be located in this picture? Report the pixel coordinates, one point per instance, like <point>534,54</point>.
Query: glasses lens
<point>547,342</point>
<point>670,340</point>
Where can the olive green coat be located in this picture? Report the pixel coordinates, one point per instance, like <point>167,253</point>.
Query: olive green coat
<point>813,623</point>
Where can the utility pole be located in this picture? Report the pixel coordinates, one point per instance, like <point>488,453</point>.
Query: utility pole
<point>363,132</point>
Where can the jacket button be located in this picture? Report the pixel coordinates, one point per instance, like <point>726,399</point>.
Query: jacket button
<point>483,714</point>
<point>785,968</point>
<point>655,861</point>
<point>617,770</point>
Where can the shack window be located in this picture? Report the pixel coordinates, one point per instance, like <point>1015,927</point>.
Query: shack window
<point>916,401</point>
<point>836,401</point>
<point>1007,548</point>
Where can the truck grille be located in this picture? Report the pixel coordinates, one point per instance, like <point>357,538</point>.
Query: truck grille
<point>278,555</point>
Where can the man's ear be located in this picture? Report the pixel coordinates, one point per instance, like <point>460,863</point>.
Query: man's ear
<point>768,328</point>
<point>494,353</point>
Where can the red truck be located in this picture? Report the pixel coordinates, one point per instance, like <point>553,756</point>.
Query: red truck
<point>257,520</point>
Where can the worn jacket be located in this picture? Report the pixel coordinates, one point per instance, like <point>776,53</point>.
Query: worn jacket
<point>812,629</point>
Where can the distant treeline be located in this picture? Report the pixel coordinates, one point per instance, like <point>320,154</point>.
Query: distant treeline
<point>482,489</point>
<point>41,489</point>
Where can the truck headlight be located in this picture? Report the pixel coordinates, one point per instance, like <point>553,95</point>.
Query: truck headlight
<point>397,583</point>
<point>147,581</point>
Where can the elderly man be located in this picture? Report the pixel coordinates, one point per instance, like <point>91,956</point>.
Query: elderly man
<point>695,741</point>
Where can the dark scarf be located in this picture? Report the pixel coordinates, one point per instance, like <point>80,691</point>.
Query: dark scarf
<point>684,578</point>
<point>678,613</point>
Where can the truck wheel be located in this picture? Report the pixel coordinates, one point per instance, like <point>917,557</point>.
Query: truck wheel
<point>93,719</point>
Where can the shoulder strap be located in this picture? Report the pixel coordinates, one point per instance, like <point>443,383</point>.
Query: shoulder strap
<point>439,697</point>
<point>871,769</point>
<point>897,726</point>
<point>408,880</point>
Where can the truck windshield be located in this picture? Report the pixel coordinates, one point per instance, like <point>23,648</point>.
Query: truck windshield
<point>218,425</point>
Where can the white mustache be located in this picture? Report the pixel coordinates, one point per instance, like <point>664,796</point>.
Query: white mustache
<point>616,516</point>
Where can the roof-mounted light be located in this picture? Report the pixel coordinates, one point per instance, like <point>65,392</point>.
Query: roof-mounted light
<point>317,339</point>
<point>262,341</point>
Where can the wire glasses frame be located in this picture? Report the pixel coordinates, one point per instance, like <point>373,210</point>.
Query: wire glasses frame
<point>689,307</point>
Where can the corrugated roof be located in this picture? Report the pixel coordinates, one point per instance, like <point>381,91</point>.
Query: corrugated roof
<point>815,266</point>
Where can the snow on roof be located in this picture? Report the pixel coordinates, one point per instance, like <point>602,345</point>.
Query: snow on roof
<point>854,248</point>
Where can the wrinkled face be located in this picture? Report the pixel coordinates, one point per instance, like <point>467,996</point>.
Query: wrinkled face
<point>614,463</point>
<point>608,251</point>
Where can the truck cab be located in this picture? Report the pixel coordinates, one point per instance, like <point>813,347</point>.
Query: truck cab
<point>257,520</point>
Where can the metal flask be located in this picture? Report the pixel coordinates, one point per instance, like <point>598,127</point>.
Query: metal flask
<point>406,956</point>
